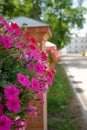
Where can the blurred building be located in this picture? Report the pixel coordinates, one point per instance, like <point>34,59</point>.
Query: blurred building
<point>77,44</point>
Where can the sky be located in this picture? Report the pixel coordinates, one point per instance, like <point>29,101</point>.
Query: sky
<point>82,32</point>
<point>85,3</point>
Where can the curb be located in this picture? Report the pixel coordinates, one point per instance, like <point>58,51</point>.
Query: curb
<point>79,96</point>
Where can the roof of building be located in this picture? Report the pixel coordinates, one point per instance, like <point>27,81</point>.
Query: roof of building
<point>29,22</point>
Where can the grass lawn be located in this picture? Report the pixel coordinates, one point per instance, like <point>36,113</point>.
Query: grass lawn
<point>60,98</point>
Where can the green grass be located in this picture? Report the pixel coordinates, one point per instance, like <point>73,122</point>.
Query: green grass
<point>59,98</point>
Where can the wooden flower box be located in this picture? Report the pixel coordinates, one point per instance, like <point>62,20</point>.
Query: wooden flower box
<point>40,121</point>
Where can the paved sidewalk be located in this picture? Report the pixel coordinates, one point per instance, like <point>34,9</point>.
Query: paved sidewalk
<point>76,68</point>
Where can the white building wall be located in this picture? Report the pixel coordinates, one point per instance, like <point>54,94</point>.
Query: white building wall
<point>76,45</point>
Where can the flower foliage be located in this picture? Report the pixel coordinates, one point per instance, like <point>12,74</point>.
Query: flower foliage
<point>24,73</point>
<point>53,56</point>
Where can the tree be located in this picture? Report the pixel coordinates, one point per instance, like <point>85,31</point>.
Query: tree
<point>7,7</point>
<point>63,15</point>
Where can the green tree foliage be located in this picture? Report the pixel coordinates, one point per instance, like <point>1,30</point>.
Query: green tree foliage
<point>62,15</point>
<point>12,8</point>
<point>35,8</point>
<point>7,7</point>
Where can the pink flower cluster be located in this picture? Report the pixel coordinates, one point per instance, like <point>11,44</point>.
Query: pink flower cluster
<point>23,80</point>
<point>33,78</point>
<point>11,94</point>
<point>53,52</point>
<point>5,122</point>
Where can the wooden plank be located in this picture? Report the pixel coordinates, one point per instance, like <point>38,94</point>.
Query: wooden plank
<point>39,122</point>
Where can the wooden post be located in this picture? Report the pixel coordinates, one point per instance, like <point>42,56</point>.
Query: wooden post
<point>45,113</point>
<point>39,122</point>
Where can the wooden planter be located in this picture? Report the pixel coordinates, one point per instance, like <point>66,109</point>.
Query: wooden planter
<point>39,122</point>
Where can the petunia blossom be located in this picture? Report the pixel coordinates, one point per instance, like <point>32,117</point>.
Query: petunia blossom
<point>21,124</point>
<point>14,26</point>
<point>26,57</point>
<point>5,123</point>
<point>5,24</point>
<point>53,71</point>
<point>49,74</point>
<point>13,105</point>
<point>44,85</point>
<point>19,45</point>
<point>30,67</point>
<point>7,42</point>
<point>37,55</point>
<point>11,92</point>
<point>23,80</point>
<point>49,80</point>
<point>15,29</point>
<point>35,84</point>
<point>33,40</point>
<point>32,47</point>
<point>39,67</point>
<point>44,56</point>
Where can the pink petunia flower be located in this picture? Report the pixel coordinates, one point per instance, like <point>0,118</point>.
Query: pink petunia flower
<point>19,45</point>
<point>49,80</point>
<point>30,55</point>
<point>39,67</point>
<point>33,40</point>
<point>19,123</point>
<point>22,123</point>
<point>44,56</point>
<point>11,92</point>
<point>30,67</point>
<point>32,47</point>
<point>53,71</point>
<point>5,23</point>
<point>23,80</point>
<point>37,55</point>
<point>35,84</point>
<point>26,57</point>
<point>13,105</point>
<point>44,85</point>
<point>5,123</point>
<point>49,74</point>
<point>7,42</point>
<point>1,109</point>
<point>34,54</point>
<point>14,26</point>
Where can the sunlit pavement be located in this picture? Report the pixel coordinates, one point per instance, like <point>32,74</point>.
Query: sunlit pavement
<point>76,68</point>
